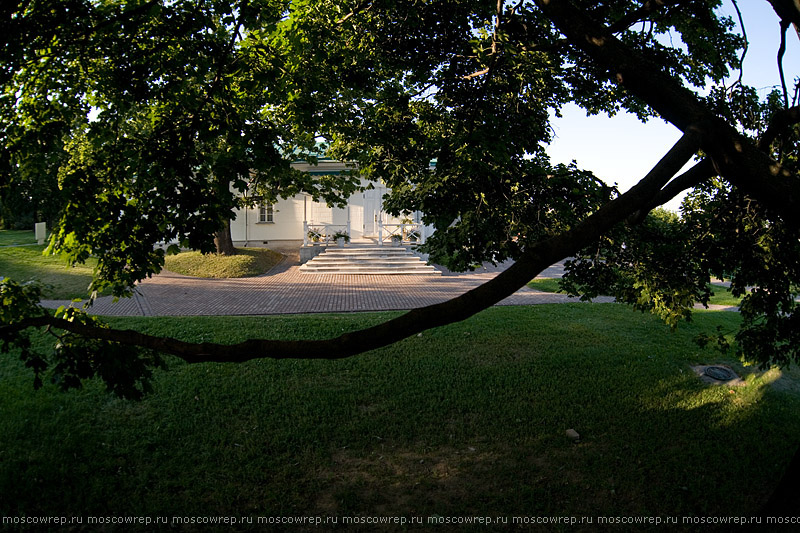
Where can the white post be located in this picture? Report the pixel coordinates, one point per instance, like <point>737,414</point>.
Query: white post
<point>380,232</point>
<point>40,230</point>
<point>305,233</point>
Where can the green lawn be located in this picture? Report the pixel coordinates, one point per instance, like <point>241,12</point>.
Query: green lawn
<point>25,263</point>
<point>721,294</point>
<point>469,419</point>
<point>246,263</point>
<point>11,237</point>
<point>545,285</point>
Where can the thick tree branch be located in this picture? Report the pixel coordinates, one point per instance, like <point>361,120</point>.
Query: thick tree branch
<point>691,178</point>
<point>788,11</point>
<point>778,126</point>
<point>705,168</point>
<point>649,7</point>
<point>736,158</point>
<point>535,259</point>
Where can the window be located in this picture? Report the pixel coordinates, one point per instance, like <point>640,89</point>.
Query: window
<point>265,213</point>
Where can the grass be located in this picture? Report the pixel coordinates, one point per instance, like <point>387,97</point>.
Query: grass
<point>721,294</point>
<point>26,263</point>
<point>14,237</point>
<point>248,262</point>
<point>468,419</point>
<point>545,285</point>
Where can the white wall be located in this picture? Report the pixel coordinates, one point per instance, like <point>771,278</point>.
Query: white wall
<point>289,214</point>
<point>287,222</point>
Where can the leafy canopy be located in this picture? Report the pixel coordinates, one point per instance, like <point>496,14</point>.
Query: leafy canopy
<point>153,117</point>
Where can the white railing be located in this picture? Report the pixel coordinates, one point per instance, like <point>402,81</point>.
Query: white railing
<point>323,233</point>
<point>400,233</point>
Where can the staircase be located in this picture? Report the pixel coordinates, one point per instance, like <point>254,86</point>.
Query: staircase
<point>368,260</point>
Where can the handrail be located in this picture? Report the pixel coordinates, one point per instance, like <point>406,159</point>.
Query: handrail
<point>403,233</point>
<point>322,232</point>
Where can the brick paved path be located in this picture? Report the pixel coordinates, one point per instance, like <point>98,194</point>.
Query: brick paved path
<point>285,290</point>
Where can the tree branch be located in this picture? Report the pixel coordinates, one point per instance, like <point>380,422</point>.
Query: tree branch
<point>788,11</point>
<point>781,52</point>
<point>746,43</point>
<point>691,178</point>
<point>650,6</point>
<point>705,168</point>
<point>778,125</point>
<point>736,157</point>
<point>535,258</point>
<point>360,7</point>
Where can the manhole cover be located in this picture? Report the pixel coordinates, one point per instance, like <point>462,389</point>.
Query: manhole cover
<point>720,373</point>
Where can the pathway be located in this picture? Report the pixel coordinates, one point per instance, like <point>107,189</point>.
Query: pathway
<point>284,290</point>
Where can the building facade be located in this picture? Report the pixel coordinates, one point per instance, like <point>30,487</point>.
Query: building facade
<point>301,220</point>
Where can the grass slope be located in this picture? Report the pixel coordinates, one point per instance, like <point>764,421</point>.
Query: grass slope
<point>248,262</point>
<point>469,419</point>
<point>26,263</point>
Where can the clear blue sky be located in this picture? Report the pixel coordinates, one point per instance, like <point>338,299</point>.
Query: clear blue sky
<point>622,150</point>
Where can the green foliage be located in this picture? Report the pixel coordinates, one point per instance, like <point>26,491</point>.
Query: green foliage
<point>162,126</point>
<point>20,302</point>
<point>341,235</point>
<point>742,240</point>
<point>649,265</point>
<point>146,121</point>
<point>189,108</point>
<point>126,370</point>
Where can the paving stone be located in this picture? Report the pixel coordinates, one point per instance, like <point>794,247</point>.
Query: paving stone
<point>285,290</point>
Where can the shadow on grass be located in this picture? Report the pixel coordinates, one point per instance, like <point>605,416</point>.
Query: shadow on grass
<point>464,420</point>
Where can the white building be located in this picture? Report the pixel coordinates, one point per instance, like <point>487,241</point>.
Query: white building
<point>301,221</point>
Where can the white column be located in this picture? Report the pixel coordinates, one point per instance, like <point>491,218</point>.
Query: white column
<point>305,220</point>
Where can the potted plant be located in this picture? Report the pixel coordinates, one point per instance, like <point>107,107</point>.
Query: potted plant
<point>341,237</point>
<point>397,239</point>
<point>315,236</point>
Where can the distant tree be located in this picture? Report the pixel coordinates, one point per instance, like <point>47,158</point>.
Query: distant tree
<point>175,106</point>
<point>146,116</point>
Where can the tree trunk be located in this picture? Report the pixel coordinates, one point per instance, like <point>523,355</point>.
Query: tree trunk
<point>223,240</point>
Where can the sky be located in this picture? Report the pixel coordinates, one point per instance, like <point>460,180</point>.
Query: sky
<point>622,150</point>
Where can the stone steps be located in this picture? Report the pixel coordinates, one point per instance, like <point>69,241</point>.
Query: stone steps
<point>376,260</point>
